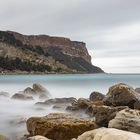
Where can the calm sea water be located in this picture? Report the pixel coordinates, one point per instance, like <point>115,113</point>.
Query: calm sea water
<point>75,85</point>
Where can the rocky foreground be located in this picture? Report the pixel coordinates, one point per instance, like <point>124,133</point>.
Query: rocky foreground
<point>114,116</point>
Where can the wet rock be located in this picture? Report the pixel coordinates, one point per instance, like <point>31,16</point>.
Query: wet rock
<point>127,119</point>
<point>80,104</point>
<point>103,114</point>
<point>137,90</point>
<point>59,107</point>
<point>57,101</point>
<point>72,108</point>
<point>2,137</point>
<point>39,89</point>
<point>19,96</point>
<point>43,96</point>
<point>96,96</point>
<point>108,134</point>
<point>121,95</point>
<point>38,138</point>
<point>59,126</point>
<point>4,94</point>
<point>29,91</point>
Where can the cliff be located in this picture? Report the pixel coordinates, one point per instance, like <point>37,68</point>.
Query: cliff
<point>43,53</point>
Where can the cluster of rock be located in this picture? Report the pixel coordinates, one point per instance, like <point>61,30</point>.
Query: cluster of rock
<point>4,94</point>
<point>116,110</point>
<point>114,116</point>
<point>29,93</point>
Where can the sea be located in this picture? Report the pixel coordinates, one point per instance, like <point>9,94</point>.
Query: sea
<point>59,85</point>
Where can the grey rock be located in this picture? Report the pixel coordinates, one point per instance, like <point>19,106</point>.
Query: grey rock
<point>137,90</point>
<point>56,101</point>
<point>96,96</point>
<point>108,134</point>
<point>121,95</point>
<point>4,94</point>
<point>127,119</point>
<point>20,96</point>
<point>103,114</point>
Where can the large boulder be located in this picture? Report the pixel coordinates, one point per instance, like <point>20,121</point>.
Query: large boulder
<point>96,96</point>
<point>108,134</point>
<point>103,114</point>
<point>2,137</point>
<point>121,95</point>
<point>20,96</point>
<point>127,119</point>
<point>59,126</point>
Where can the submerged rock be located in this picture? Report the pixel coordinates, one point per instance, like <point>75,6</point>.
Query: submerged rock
<point>108,134</point>
<point>39,89</point>
<point>59,106</point>
<point>59,126</point>
<point>103,114</point>
<point>127,119</point>
<point>96,96</point>
<point>57,101</point>
<point>121,95</point>
<point>80,104</point>
<point>4,94</point>
<point>20,96</point>
<point>137,105</point>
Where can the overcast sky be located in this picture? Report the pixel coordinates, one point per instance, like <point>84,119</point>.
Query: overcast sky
<point>110,28</point>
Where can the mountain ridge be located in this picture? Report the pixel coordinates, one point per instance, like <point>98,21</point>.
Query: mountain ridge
<point>43,53</point>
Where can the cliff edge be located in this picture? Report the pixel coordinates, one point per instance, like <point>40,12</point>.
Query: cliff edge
<point>43,54</point>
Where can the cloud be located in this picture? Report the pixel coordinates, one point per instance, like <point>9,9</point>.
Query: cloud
<point>111,28</point>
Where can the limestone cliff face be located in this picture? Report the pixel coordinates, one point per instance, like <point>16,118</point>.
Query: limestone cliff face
<point>72,48</point>
<point>60,54</point>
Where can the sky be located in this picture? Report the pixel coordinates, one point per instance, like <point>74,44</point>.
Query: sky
<point>110,28</point>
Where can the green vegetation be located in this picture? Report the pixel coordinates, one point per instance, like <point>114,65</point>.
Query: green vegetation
<point>16,64</point>
<point>10,39</point>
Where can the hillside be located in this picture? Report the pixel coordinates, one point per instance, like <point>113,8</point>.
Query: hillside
<point>43,54</point>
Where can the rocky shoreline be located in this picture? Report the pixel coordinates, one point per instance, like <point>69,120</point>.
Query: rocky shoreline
<point>114,116</point>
